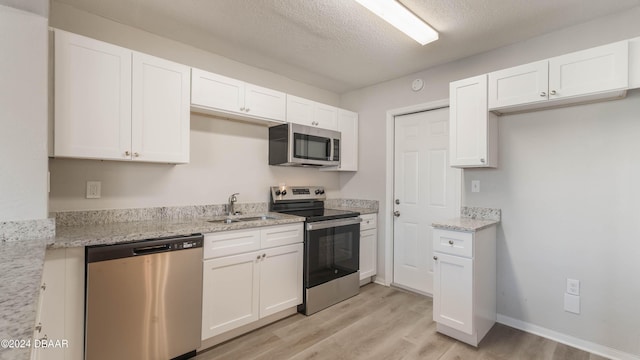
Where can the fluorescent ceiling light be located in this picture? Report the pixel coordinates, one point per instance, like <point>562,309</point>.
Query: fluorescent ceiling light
<point>404,20</point>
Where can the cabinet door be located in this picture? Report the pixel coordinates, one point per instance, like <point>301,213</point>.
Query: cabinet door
<point>472,141</point>
<point>299,110</point>
<point>348,127</point>
<point>50,316</point>
<point>161,115</point>
<point>92,98</point>
<point>595,70</point>
<point>368,253</point>
<point>213,91</point>
<point>230,293</point>
<point>453,292</point>
<point>265,103</point>
<point>280,278</point>
<point>326,116</point>
<point>518,85</point>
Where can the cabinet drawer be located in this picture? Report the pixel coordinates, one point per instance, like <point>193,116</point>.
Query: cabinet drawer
<point>281,235</point>
<point>453,242</point>
<point>231,242</point>
<point>369,221</point>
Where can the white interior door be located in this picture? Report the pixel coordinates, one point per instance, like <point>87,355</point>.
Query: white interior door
<point>426,189</point>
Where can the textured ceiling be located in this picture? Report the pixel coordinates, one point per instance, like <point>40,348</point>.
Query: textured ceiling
<point>337,44</point>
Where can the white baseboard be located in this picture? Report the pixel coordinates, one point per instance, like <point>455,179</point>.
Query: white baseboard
<point>566,339</point>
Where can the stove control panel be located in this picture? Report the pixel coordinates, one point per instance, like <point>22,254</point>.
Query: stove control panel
<point>297,193</point>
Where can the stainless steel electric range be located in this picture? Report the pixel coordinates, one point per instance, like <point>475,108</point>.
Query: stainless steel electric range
<point>331,246</point>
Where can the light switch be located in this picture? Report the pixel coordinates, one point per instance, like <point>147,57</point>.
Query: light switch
<point>573,287</point>
<point>94,189</point>
<point>475,185</point>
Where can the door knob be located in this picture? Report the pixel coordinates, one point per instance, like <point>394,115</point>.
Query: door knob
<point>435,258</point>
<point>396,213</point>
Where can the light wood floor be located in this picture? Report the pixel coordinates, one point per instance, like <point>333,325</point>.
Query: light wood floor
<point>382,323</point>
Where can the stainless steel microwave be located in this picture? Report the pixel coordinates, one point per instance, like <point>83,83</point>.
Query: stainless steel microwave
<point>300,145</point>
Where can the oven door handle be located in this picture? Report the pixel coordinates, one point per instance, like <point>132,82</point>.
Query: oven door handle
<point>332,223</point>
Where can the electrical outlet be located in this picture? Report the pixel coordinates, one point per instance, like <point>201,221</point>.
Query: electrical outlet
<point>94,189</point>
<point>475,185</point>
<point>573,287</point>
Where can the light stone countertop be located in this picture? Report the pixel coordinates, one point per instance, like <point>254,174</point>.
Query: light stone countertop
<point>361,210</point>
<point>464,224</point>
<point>21,264</point>
<point>471,219</point>
<point>113,233</point>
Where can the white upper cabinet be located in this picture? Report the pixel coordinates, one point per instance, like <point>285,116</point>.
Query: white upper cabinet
<point>525,84</point>
<point>634,63</point>
<point>348,127</point>
<point>92,98</point>
<point>114,104</point>
<point>596,73</point>
<point>308,112</point>
<point>473,129</point>
<point>161,117</point>
<point>221,95</point>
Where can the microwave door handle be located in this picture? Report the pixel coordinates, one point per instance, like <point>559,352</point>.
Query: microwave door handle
<point>331,149</point>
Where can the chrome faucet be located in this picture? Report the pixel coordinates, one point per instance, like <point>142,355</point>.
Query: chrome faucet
<point>231,204</point>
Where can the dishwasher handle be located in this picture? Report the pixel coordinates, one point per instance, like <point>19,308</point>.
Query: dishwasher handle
<point>145,250</point>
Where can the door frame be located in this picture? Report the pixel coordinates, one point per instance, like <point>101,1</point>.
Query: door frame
<point>390,148</point>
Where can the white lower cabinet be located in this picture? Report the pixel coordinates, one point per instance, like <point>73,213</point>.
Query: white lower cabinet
<point>464,291</point>
<point>60,314</point>
<point>368,246</point>
<point>243,287</point>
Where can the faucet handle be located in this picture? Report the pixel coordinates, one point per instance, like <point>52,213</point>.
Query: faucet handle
<point>233,197</point>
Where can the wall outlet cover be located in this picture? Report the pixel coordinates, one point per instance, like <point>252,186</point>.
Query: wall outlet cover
<point>94,189</point>
<point>475,186</point>
<point>572,303</point>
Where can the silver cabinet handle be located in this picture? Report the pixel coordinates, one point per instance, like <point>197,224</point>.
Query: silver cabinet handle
<point>396,213</point>
<point>435,258</point>
<point>242,108</point>
<point>127,153</point>
<point>553,92</point>
<point>450,242</point>
<point>264,256</point>
<point>258,257</point>
<point>482,160</point>
<point>247,110</point>
<point>543,94</point>
<point>39,327</point>
<point>135,154</point>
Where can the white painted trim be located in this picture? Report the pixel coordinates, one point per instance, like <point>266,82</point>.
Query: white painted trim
<point>566,339</point>
<point>388,233</point>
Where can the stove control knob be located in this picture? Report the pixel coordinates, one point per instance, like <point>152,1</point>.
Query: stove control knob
<point>278,192</point>
<point>317,191</point>
<point>321,191</point>
<point>284,192</point>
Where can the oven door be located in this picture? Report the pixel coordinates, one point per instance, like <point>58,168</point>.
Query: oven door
<point>332,250</point>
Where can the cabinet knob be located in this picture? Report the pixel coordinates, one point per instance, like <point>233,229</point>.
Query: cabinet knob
<point>258,257</point>
<point>136,154</point>
<point>264,256</point>
<point>242,108</point>
<point>435,258</point>
<point>482,160</point>
<point>39,327</point>
<point>450,242</point>
<point>247,110</point>
<point>543,94</point>
<point>552,92</point>
<point>127,153</point>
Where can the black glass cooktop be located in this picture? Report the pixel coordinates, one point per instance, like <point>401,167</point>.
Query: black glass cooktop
<point>313,215</point>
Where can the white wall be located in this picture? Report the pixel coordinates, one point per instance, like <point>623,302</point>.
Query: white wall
<point>226,156</point>
<point>521,253</point>
<point>39,7</point>
<point>23,115</point>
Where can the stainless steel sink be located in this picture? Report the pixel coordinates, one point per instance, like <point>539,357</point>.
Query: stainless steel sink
<point>253,218</point>
<point>248,218</point>
<point>224,221</point>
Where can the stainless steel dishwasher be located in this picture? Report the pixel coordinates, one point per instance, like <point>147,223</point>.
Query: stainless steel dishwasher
<point>144,299</point>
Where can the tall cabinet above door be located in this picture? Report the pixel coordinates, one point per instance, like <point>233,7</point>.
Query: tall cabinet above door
<point>115,104</point>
